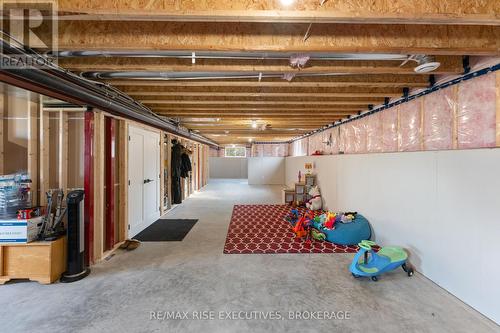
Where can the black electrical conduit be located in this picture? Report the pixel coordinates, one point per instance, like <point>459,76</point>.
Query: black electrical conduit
<point>90,93</point>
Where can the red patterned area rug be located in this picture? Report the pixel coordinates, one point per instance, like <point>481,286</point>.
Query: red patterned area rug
<point>262,229</point>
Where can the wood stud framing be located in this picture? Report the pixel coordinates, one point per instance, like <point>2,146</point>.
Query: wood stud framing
<point>498,107</point>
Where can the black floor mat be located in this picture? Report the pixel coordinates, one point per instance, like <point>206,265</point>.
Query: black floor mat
<point>166,230</point>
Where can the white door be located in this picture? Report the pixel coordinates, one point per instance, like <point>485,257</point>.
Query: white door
<point>144,181</point>
<point>151,177</point>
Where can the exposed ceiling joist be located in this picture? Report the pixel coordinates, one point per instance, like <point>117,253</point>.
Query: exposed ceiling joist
<point>343,38</point>
<point>367,12</point>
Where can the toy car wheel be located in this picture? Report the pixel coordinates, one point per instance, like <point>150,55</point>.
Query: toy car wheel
<point>355,275</point>
<point>403,266</point>
<point>410,272</point>
<point>374,278</point>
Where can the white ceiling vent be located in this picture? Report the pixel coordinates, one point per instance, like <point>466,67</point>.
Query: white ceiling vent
<point>425,63</point>
<point>427,67</point>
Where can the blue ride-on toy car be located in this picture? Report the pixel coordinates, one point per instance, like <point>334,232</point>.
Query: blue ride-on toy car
<point>369,263</point>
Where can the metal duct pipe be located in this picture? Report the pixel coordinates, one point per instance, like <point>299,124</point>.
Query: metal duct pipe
<point>170,76</point>
<point>228,55</point>
<point>84,91</point>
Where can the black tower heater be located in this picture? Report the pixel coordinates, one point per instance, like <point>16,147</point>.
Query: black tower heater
<point>76,269</point>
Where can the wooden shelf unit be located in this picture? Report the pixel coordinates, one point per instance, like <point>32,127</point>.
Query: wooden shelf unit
<point>300,193</point>
<point>37,261</point>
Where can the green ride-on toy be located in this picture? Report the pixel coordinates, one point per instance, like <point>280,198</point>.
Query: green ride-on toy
<point>369,263</point>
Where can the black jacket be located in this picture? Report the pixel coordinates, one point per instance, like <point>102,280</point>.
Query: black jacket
<point>185,165</point>
<point>176,162</point>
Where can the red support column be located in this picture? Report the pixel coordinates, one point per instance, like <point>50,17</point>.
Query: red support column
<point>199,167</point>
<point>89,186</point>
<point>110,181</point>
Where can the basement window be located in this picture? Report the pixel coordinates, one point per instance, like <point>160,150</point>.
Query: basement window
<point>235,152</point>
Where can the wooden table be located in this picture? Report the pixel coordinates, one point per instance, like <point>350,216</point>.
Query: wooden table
<point>37,261</point>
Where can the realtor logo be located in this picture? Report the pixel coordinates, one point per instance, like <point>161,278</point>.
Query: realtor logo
<point>31,25</point>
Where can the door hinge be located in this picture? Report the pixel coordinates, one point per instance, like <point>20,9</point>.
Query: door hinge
<point>129,138</point>
<point>129,182</point>
<point>129,227</point>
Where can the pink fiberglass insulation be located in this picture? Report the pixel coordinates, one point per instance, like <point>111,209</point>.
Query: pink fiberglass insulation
<point>257,150</point>
<point>359,128</point>
<point>304,145</point>
<point>268,150</point>
<point>389,120</point>
<point>349,139</point>
<point>331,141</point>
<point>315,143</point>
<point>438,119</point>
<point>280,150</point>
<point>213,152</point>
<point>476,113</point>
<point>410,125</point>
<point>299,147</point>
<point>374,133</point>
<point>291,151</point>
<point>342,139</point>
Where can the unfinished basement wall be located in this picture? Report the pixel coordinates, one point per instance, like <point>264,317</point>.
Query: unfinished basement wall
<point>463,116</point>
<point>443,206</point>
<point>270,150</point>
<point>425,174</point>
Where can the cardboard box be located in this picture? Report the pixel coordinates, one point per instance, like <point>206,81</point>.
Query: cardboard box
<point>19,231</point>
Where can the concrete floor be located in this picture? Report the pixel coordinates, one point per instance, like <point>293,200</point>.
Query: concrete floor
<point>194,275</point>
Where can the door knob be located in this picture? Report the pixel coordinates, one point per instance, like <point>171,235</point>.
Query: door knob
<point>147,181</point>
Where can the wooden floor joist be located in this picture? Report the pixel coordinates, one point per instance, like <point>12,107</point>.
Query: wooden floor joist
<point>343,38</point>
<point>367,12</point>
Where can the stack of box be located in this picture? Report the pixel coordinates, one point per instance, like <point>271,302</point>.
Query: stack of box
<point>19,231</point>
<point>14,194</point>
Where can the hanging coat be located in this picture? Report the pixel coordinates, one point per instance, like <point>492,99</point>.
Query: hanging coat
<point>175,167</point>
<point>185,165</point>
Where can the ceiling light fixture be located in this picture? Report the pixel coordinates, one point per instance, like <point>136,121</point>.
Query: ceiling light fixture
<point>287,2</point>
<point>254,124</point>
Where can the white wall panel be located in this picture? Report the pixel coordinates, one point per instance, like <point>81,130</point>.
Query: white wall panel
<point>266,170</point>
<point>228,167</point>
<point>443,206</point>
